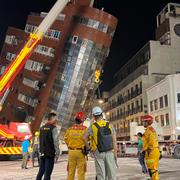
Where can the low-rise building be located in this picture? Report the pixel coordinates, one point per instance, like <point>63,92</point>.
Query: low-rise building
<point>164,105</point>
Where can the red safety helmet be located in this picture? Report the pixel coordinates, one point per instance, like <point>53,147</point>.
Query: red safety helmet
<point>147,118</point>
<point>80,116</point>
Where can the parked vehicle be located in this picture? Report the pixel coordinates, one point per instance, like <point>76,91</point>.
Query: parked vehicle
<point>63,147</point>
<point>11,137</point>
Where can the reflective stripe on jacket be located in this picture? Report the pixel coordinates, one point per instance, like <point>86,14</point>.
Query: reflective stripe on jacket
<point>73,136</point>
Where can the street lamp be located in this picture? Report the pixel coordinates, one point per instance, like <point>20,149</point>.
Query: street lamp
<point>100,101</point>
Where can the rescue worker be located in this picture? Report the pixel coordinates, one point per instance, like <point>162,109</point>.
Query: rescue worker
<point>76,146</point>
<point>49,147</point>
<point>35,148</point>
<point>151,147</point>
<point>105,160</point>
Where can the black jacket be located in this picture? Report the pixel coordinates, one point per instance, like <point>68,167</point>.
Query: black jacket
<point>47,148</point>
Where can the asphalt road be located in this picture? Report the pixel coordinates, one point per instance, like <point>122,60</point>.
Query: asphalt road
<point>129,169</point>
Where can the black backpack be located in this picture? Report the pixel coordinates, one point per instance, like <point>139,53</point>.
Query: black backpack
<point>104,138</point>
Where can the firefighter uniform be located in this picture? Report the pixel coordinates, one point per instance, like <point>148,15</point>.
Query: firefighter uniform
<point>151,149</point>
<point>76,158</point>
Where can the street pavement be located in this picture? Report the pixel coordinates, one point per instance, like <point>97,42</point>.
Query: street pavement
<point>129,169</point>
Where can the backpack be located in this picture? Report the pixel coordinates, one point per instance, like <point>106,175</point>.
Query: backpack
<point>104,138</point>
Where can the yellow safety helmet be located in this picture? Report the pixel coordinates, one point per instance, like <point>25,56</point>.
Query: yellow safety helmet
<point>37,133</point>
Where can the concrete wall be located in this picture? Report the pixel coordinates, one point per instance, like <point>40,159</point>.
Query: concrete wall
<point>169,86</point>
<point>165,59</point>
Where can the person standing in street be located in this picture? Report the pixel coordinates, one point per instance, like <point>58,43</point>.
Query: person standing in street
<point>151,147</point>
<point>25,151</point>
<point>35,148</point>
<point>76,148</point>
<point>49,147</point>
<point>105,152</point>
<point>140,154</point>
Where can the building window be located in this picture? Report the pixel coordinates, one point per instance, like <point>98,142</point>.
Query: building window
<point>118,113</point>
<point>74,39</point>
<point>2,69</point>
<point>132,108</point>
<point>31,83</point>
<point>132,92</point>
<point>44,50</point>
<point>95,25</point>
<point>128,94</point>
<point>155,104</point>
<point>166,100</point>
<point>51,33</point>
<point>27,100</point>
<point>151,106</point>
<point>136,89</point>
<point>128,112</point>
<point>137,106</point>
<point>157,119</point>
<point>178,97</point>
<point>141,105</point>
<point>167,138</point>
<point>61,17</point>
<point>161,102</point>
<point>167,119</point>
<point>30,28</point>
<point>10,56</point>
<point>33,66</point>
<point>10,39</point>
<point>140,88</point>
<point>162,120</point>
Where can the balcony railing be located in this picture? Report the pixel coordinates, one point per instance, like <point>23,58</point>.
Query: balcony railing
<point>126,98</point>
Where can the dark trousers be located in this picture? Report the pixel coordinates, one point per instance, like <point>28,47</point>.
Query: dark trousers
<point>34,155</point>
<point>45,168</point>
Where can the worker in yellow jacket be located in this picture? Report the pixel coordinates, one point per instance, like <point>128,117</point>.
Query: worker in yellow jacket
<point>151,147</point>
<point>103,145</point>
<point>76,146</point>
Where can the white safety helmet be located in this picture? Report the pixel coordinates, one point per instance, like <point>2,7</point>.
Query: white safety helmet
<point>96,111</point>
<point>26,137</point>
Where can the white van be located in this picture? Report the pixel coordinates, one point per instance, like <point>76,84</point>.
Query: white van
<point>63,147</point>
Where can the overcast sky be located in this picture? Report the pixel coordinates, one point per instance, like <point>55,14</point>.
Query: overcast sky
<point>136,26</point>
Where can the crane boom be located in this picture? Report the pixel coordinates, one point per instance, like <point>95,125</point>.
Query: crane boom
<point>19,61</point>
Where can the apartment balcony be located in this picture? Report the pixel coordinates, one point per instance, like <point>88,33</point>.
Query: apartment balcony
<point>125,99</point>
<point>27,100</point>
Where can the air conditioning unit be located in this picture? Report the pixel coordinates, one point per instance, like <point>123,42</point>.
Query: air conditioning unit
<point>74,39</point>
